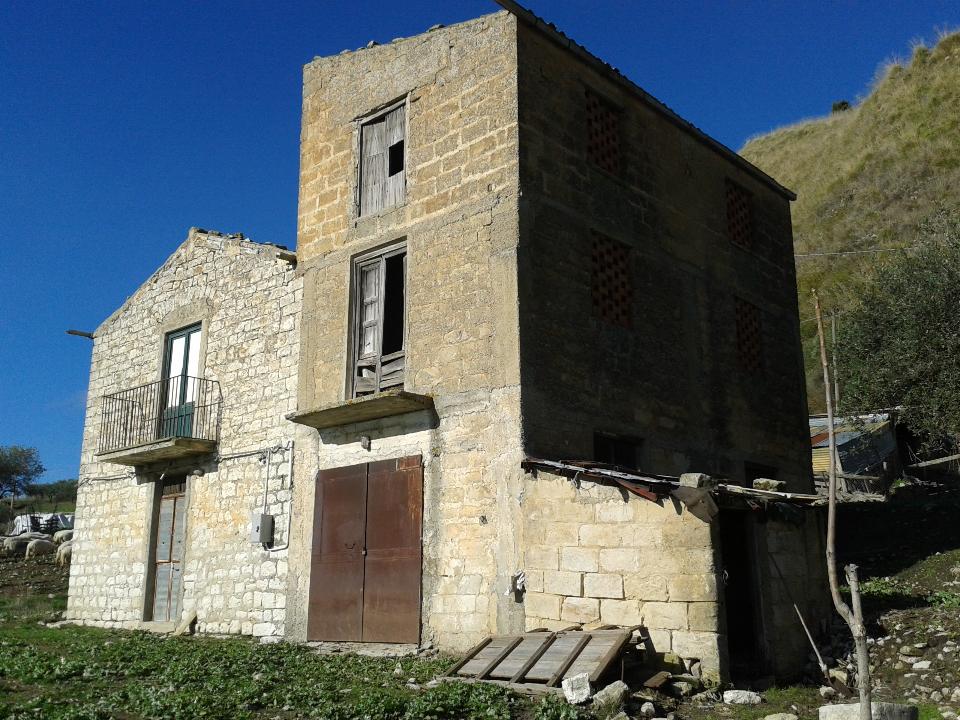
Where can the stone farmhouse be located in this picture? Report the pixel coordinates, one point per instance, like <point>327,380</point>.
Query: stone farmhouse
<point>526,297</point>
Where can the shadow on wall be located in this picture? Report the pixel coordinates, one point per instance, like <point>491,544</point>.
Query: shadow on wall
<point>382,428</point>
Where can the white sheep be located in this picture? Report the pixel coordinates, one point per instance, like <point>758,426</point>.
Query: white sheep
<point>64,553</point>
<point>39,547</point>
<point>15,546</point>
<point>62,536</point>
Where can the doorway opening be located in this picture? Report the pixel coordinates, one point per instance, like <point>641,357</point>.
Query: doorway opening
<point>745,641</point>
<point>166,588</point>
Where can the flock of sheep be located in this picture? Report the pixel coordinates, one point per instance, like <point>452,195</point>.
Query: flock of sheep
<point>35,544</point>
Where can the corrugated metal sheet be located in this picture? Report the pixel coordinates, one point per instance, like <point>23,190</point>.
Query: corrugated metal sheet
<point>821,460</point>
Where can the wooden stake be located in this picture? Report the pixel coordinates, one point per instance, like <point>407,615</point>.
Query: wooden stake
<point>854,618</point>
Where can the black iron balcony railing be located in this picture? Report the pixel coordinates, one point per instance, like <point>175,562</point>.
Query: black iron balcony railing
<point>178,407</point>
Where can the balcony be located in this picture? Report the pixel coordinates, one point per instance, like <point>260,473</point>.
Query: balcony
<point>366,407</point>
<point>165,420</point>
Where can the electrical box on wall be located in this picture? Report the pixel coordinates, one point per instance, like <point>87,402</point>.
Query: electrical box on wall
<point>261,528</point>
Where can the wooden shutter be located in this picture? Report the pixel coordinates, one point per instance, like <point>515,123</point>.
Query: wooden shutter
<point>373,166</point>
<point>369,320</point>
<point>396,174</point>
<point>380,139</point>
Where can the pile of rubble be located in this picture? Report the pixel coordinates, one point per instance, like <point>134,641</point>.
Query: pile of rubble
<point>917,660</point>
<point>617,702</point>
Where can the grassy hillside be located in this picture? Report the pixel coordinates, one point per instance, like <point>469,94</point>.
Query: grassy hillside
<point>869,177</point>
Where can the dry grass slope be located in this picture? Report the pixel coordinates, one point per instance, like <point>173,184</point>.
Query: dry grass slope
<point>868,177</point>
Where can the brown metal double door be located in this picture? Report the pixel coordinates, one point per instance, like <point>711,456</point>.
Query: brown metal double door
<point>365,568</point>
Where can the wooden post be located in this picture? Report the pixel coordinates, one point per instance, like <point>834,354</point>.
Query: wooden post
<point>854,618</point>
<point>833,351</point>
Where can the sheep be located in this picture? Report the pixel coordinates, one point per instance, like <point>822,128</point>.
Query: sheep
<point>39,547</point>
<point>62,536</point>
<point>64,553</point>
<point>15,546</point>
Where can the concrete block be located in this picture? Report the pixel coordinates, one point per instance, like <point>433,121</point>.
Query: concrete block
<point>615,512</point>
<point>603,585</point>
<point>542,557</point>
<point>665,615</point>
<point>881,711</point>
<point>703,616</point>
<point>580,610</point>
<point>579,559</point>
<point>645,587</point>
<point>704,646</point>
<point>696,588</point>
<point>542,605</point>
<point>560,582</point>
<point>576,689</point>
<point>619,560</point>
<point>620,612</point>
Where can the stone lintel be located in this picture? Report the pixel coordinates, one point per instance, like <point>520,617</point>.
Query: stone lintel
<point>356,410</point>
<point>168,449</point>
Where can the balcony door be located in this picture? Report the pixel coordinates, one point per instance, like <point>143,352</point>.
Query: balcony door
<point>181,366</point>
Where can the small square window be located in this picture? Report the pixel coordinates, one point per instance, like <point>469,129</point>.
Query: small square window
<point>603,134</point>
<point>616,450</point>
<point>749,336</point>
<point>739,216</point>
<point>610,277</point>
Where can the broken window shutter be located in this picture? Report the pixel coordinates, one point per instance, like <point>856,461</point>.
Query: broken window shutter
<point>369,343</point>
<point>395,156</point>
<point>373,166</point>
<point>369,306</point>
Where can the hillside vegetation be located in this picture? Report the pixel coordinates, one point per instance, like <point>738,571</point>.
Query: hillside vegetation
<point>882,174</point>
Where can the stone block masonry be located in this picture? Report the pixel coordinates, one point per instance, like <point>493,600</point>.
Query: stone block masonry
<point>595,558</point>
<point>247,298</point>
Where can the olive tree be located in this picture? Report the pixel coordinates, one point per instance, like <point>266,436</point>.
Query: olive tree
<point>19,469</point>
<point>900,346</point>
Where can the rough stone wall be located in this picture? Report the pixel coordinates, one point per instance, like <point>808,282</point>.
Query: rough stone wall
<point>672,378</point>
<point>795,572</point>
<point>248,300</point>
<point>459,221</point>
<point>595,558</point>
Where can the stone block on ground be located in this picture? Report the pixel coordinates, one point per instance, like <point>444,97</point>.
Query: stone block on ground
<point>576,689</point>
<point>741,697</point>
<point>612,696</point>
<point>881,711</point>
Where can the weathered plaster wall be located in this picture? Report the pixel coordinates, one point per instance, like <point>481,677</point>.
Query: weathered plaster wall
<point>460,222</point>
<point>594,557</point>
<point>672,379</point>
<point>248,300</point>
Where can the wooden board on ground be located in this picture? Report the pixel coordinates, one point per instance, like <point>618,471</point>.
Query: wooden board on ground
<point>542,658</point>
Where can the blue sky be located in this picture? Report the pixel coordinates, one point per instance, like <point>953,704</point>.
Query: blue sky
<point>122,124</point>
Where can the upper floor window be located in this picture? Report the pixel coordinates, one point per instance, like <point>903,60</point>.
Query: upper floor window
<point>739,216</point>
<point>383,177</point>
<point>749,336</point>
<point>616,450</point>
<point>603,134</point>
<point>610,278</point>
<point>379,321</point>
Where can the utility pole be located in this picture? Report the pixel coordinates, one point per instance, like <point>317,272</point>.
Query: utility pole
<point>853,618</point>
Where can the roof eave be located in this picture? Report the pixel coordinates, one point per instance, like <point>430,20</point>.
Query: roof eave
<point>551,32</point>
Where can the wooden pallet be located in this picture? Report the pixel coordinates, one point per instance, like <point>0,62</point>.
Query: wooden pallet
<point>541,660</point>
